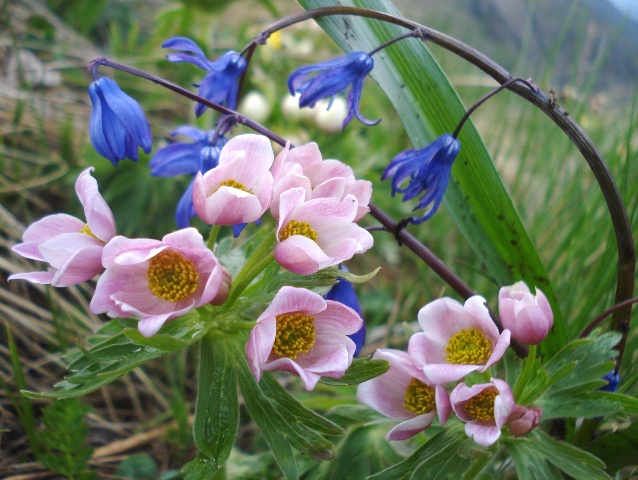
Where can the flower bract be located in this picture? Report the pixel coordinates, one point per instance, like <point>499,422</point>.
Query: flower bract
<point>221,83</point>
<point>118,126</point>
<point>404,394</point>
<point>72,247</point>
<point>456,339</point>
<point>332,77</point>
<point>427,173</point>
<point>156,280</point>
<point>302,333</point>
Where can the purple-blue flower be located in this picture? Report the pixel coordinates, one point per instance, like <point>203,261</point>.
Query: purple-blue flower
<point>333,77</point>
<point>118,125</point>
<point>343,292</point>
<point>613,379</point>
<point>221,83</point>
<point>427,172</point>
<point>183,158</point>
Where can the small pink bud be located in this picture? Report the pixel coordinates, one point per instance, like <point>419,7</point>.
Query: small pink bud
<point>529,317</point>
<point>523,420</point>
<point>224,288</point>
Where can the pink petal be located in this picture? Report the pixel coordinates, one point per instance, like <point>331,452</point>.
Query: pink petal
<point>475,305</point>
<point>499,349</point>
<point>291,299</point>
<point>80,267</point>
<point>61,248</point>
<point>443,404</point>
<point>259,346</point>
<point>126,251</point>
<point>438,374</point>
<point>338,317</point>
<point>386,394</point>
<point>151,325</point>
<point>96,211</point>
<point>411,427</point>
<point>257,148</point>
<point>443,318</point>
<point>35,277</point>
<point>302,255</point>
<point>484,435</point>
<point>287,365</point>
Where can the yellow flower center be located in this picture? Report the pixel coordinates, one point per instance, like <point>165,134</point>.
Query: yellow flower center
<point>234,184</point>
<point>481,407</point>
<point>87,231</point>
<point>470,346</point>
<point>419,397</point>
<point>297,228</point>
<point>171,277</point>
<point>295,334</point>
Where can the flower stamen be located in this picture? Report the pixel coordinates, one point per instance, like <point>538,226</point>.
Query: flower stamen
<point>470,346</point>
<point>295,334</point>
<point>87,231</point>
<point>233,184</point>
<point>481,406</point>
<point>171,277</point>
<point>419,397</point>
<point>297,228</point>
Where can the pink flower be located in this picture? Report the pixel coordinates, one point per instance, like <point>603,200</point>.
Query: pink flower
<point>304,167</point>
<point>403,393</point>
<point>523,420</point>
<point>72,248</point>
<point>485,407</point>
<point>239,189</point>
<point>456,340</point>
<point>302,333</point>
<point>528,317</point>
<point>156,280</point>
<point>318,233</point>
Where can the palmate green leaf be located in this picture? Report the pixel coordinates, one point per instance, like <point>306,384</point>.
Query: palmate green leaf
<point>617,449</point>
<point>217,407</point>
<point>110,357</point>
<point>438,458</point>
<point>429,106</point>
<point>362,369</point>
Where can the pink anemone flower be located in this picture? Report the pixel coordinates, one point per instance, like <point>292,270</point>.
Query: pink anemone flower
<point>403,393</point>
<point>155,280</point>
<point>486,407</point>
<point>529,317</point>
<point>318,233</point>
<point>72,248</point>
<point>302,333</point>
<point>456,339</point>
<point>240,188</point>
<point>304,167</point>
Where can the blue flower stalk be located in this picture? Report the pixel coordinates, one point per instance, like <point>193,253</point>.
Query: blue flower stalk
<point>117,126</point>
<point>343,291</point>
<point>334,76</point>
<point>187,158</point>
<point>221,83</point>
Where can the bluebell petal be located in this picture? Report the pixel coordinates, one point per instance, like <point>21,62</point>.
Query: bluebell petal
<point>185,209</point>
<point>613,379</point>
<point>176,159</point>
<point>190,132</point>
<point>186,45</point>
<point>96,130</point>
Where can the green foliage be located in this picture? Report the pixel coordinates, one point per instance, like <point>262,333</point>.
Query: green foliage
<point>617,449</point>
<point>362,369</point>
<point>139,466</point>
<point>63,439</point>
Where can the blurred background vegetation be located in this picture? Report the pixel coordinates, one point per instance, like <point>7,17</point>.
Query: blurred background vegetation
<point>584,50</point>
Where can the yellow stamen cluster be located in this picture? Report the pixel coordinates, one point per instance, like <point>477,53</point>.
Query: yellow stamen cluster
<point>171,277</point>
<point>419,397</point>
<point>470,346</point>
<point>87,231</point>
<point>295,334</point>
<point>481,407</point>
<point>234,184</point>
<point>297,228</point>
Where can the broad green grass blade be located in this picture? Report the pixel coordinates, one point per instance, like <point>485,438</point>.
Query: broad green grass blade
<point>429,106</point>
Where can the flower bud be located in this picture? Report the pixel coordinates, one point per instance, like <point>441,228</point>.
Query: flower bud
<point>224,288</point>
<point>529,317</point>
<point>523,420</point>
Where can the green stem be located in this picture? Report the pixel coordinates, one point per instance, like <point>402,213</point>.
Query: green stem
<point>528,368</point>
<point>212,237</point>
<point>256,263</point>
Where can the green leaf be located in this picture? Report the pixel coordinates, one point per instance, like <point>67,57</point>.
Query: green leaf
<point>201,467</point>
<point>217,408</point>
<point>617,449</point>
<point>429,106</point>
<point>437,458</point>
<point>573,461</point>
<point>137,466</point>
<point>362,369</point>
<point>530,463</point>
